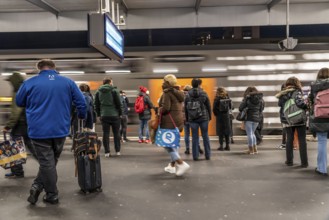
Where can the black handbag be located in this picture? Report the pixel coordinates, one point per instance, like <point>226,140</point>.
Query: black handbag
<point>242,116</point>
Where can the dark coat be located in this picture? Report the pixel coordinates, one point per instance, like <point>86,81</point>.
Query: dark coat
<point>197,93</point>
<point>146,115</point>
<point>171,102</point>
<point>255,104</point>
<point>286,94</point>
<point>223,125</point>
<point>107,101</point>
<point>318,124</point>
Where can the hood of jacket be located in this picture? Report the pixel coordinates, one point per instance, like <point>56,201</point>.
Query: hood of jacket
<point>174,90</point>
<point>16,80</point>
<point>106,88</point>
<point>285,91</point>
<point>195,92</point>
<point>320,85</point>
<point>255,97</point>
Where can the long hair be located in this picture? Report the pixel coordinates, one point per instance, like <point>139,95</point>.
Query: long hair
<point>221,92</point>
<point>249,90</point>
<point>323,74</point>
<point>293,81</point>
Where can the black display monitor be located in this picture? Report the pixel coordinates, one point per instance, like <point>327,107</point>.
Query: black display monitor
<point>105,37</point>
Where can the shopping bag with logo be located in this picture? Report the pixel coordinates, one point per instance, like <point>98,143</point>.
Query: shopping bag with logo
<point>167,137</point>
<point>12,152</point>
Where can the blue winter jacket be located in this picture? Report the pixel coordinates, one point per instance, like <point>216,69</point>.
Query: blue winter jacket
<point>48,99</point>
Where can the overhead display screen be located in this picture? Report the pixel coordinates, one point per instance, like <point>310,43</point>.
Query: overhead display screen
<point>105,37</point>
<point>113,37</point>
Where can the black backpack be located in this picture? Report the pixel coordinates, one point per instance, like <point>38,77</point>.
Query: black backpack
<point>194,109</point>
<point>224,105</point>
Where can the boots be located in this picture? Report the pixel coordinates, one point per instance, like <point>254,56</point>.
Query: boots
<point>255,149</point>
<point>250,150</point>
<point>220,148</point>
<point>227,148</point>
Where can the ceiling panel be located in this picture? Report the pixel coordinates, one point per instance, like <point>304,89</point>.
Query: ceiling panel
<point>208,3</point>
<point>134,4</point>
<point>17,5</point>
<point>74,5</point>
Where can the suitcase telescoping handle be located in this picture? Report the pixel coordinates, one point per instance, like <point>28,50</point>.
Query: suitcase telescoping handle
<point>5,135</point>
<point>80,125</point>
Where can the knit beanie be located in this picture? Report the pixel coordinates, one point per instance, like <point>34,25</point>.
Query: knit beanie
<point>142,89</point>
<point>171,79</point>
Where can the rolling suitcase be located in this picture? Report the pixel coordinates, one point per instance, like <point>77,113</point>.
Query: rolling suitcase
<point>87,160</point>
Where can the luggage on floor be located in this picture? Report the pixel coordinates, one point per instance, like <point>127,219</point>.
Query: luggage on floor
<point>86,148</point>
<point>12,152</point>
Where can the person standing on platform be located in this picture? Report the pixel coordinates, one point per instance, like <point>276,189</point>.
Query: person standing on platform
<point>124,119</point>
<point>48,99</point>
<point>109,110</point>
<point>293,91</point>
<point>17,125</point>
<point>253,100</point>
<point>144,115</point>
<point>221,109</point>
<point>198,114</point>
<point>320,124</point>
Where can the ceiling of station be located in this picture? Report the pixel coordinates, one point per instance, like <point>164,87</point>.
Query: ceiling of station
<point>91,5</point>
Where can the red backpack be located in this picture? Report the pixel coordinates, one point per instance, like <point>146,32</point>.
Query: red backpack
<point>321,104</point>
<point>139,104</point>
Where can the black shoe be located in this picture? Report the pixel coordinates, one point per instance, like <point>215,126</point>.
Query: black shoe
<point>200,151</point>
<point>304,166</point>
<point>232,141</point>
<point>195,159</point>
<point>34,195</point>
<point>126,139</point>
<point>227,148</point>
<point>320,173</point>
<point>187,151</point>
<point>289,163</point>
<point>52,199</point>
<point>220,148</point>
<point>207,158</point>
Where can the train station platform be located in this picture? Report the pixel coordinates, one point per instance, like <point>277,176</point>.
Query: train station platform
<point>232,185</point>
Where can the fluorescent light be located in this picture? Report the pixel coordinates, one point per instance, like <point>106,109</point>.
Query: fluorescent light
<point>273,77</point>
<point>9,74</point>
<point>259,88</point>
<point>312,65</point>
<point>214,69</point>
<point>71,72</point>
<point>266,98</point>
<point>117,71</point>
<point>266,67</point>
<point>230,58</point>
<point>316,56</point>
<point>165,70</point>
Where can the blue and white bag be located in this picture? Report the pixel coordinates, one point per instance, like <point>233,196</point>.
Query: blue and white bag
<point>167,137</point>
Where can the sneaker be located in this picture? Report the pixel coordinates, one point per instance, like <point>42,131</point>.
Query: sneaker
<point>123,140</point>
<point>182,168</point>
<point>140,141</point>
<point>187,151</point>
<point>51,199</point>
<point>282,146</point>
<point>170,169</point>
<point>288,163</point>
<point>107,154</point>
<point>118,153</point>
<point>126,139</point>
<point>147,141</point>
<point>249,151</point>
<point>13,176</point>
<point>34,195</point>
<point>320,173</point>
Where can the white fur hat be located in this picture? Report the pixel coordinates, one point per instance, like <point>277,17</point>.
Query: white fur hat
<point>171,79</point>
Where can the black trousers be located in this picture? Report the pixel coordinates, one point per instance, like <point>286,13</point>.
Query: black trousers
<point>114,122</point>
<point>48,152</point>
<point>18,169</point>
<point>301,130</point>
<point>227,140</point>
<point>284,135</point>
<point>123,128</point>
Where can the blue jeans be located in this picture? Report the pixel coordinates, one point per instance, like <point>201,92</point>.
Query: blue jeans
<point>187,135</point>
<point>250,129</point>
<point>195,138</point>
<point>322,151</point>
<point>173,153</point>
<point>142,126</point>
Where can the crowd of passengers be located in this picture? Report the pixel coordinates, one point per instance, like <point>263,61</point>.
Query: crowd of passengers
<point>188,108</point>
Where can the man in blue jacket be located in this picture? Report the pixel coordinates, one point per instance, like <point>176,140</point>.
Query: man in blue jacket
<point>48,99</point>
